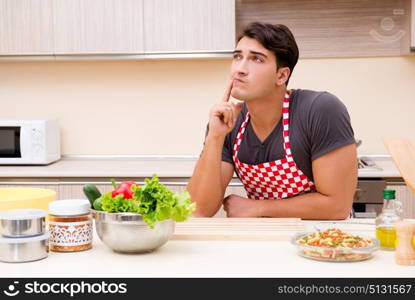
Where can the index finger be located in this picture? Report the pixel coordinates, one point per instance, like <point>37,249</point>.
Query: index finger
<point>228,91</point>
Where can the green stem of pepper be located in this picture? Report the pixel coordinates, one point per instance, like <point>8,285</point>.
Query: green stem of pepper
<point>114,184</point>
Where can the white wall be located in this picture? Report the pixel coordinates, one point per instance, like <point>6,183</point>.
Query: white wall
<point>161,107</point>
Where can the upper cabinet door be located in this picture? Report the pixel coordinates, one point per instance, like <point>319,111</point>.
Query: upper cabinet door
<point>26,27</point>
<point>336,28</point>
<point>189,25</point>
<point>98,26</point>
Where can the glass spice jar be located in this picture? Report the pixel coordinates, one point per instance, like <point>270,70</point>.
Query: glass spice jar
<point>70,225</point>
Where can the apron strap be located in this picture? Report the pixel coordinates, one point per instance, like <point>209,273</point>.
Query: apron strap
<point>286,130</point>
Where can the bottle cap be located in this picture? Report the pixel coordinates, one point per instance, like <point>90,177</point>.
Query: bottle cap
<point>389,194</point>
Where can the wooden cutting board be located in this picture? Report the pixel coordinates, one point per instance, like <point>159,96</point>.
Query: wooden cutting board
<point>403,154</point>
<point>265,229</point>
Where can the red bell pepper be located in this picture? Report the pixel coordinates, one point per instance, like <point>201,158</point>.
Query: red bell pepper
<point>124,188</point>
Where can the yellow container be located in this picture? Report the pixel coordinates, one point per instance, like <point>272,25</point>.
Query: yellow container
<point>14,198</point>
<point>386,235</point>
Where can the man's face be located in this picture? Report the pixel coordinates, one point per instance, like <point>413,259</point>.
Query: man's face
<point>253,69</point>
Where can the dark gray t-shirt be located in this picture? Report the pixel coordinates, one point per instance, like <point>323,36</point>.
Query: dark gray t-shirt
<point>319,123</point>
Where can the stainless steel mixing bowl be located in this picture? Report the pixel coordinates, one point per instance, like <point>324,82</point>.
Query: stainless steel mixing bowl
<point>127,232</point>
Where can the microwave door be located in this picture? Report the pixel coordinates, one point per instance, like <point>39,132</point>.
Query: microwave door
<point>10,142</point>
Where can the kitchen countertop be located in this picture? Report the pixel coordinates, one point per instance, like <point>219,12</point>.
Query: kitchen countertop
<point>219,258</point>
<point>141,166</point>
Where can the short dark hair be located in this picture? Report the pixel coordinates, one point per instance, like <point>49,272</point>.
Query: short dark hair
<point>276,38</point>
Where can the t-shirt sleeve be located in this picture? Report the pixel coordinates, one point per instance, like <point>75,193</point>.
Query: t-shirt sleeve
<point>330,126</point>
<point>226,150</point>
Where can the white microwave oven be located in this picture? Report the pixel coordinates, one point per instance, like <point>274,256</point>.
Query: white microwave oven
<point>29,142</point>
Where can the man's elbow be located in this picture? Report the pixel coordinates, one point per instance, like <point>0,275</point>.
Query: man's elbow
<point>201,210</point>
<point>339,215</point>
<point>201,213</point>
<point>204,207</point>
<point>341,212</point>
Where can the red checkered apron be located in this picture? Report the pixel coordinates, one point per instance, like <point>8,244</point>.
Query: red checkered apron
<point>275,179</point>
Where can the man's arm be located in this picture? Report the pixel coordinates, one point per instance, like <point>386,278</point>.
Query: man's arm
<point>211,175</point>
<point>210,179</point>
<point>335,178</point>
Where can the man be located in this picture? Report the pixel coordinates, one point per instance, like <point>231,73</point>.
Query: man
<point>293,150</point>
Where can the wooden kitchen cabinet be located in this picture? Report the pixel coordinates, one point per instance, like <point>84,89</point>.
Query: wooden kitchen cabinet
<point>98,26</point>
<point>26,27</point>
<point>86,27</point>
<point>326,28</point>
<point>143,26</point>
<point>336,28</point>
<point>189,25</point>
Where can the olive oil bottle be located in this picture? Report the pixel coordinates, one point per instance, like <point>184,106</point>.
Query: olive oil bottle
<point>385,221</point>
